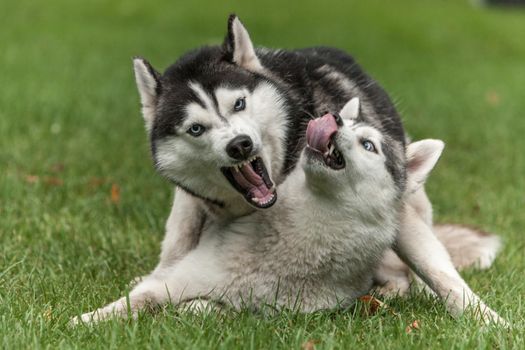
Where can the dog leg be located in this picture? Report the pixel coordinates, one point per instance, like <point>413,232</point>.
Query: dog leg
<point>183,229</point>
<point>197,275</point>
<point>391,276</point>
<point>421,250</point>
<point>148,293</point>
<point>421,203</point>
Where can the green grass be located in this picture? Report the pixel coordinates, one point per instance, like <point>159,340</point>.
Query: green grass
<point>70,129</point>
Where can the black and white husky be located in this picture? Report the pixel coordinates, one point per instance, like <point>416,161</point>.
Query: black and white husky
<point>317,247</point>
<point>227,125</point>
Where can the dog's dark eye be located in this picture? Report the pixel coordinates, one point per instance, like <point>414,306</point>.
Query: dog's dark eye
<point>240,104</point>
<point>369,146</point>
<point>196,130</point>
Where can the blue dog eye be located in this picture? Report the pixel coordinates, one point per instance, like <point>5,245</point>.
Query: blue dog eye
<point>240,104</point>
<point>369,146</point>
<point>196,130</point>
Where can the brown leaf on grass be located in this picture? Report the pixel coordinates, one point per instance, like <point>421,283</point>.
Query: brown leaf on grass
<point>492,98</point>
<point>372,305</point>
<point>412,326</point>
<point>54,181</point>
<point>115,194</point>
<point>309,344</point>
<point>32,179</point>
<point>48,180</point>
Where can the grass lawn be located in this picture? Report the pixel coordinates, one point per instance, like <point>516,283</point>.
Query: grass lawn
<point>82,210</point>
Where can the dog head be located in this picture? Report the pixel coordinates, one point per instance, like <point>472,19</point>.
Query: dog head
<point>345,152</point>
<point>216,124</point>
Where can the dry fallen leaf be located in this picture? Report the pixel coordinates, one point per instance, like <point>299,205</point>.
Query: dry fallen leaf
<point>412,326</point>
<point>372,305</point>
<point>492,98</point>
<point>309,344</point>
<point>31,179</point>
<point>115,194</point>
<point>54,181</point>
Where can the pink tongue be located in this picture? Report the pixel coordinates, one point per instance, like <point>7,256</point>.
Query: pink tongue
<point>319,131</point>
<point>251,181</point>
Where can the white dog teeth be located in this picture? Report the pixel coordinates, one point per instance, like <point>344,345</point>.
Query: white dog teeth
<point>238,167</point>
<point>258,201</point>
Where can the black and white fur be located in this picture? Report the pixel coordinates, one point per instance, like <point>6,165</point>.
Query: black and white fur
<point>282,90</point>
<point>316,248</point>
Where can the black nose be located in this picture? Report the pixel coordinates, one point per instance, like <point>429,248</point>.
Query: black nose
<point>240,148</point>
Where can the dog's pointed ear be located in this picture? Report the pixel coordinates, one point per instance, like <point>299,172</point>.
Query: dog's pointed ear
<point>148,84</point>
<point>422,156</point>
<point>238,47</point>
<point>350,109</point>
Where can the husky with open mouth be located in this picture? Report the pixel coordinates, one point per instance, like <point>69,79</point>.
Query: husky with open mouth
<point>318,246</point>
<point>227,123</point>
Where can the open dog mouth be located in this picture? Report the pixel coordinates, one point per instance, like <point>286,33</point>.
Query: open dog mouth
<point>320,141</point>
<point>251,179</point>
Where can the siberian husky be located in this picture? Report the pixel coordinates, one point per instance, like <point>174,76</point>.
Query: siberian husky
<point>227,124</point>
<point>317,247</point>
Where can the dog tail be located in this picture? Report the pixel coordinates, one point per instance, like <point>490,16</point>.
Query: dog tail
<point>468,247</point>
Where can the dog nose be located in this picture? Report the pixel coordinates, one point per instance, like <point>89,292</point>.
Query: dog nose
<point>240,148</point>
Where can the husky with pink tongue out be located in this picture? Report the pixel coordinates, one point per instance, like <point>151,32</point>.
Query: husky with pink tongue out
<point>317,247</point>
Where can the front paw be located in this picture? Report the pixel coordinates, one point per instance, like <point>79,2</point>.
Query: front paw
<point>489,317</point>
<point>87,318</point>
<point>116,309</point>
<point>135,281</point>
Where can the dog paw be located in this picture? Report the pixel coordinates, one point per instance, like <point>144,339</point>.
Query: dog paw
<point>87,318</point>
<point>115,309</point>
<point>135,281</point>
<point>490,318</point>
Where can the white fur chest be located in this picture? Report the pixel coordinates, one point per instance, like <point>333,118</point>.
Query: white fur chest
<point>328,236</point>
